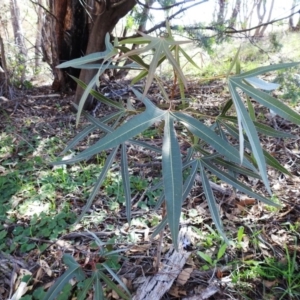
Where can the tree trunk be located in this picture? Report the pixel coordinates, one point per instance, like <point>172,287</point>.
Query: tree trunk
<point>221,13</point>
<point>235,12</point>
<point>19,36</point>
<point>38,40</point>
<point>260,14</point>
<point>268,20</point>
<point>292,27</point>
<point>4,78</point>
<point>65,35</point>
<point>104,22</point>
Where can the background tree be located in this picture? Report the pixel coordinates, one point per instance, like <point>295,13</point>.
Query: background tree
<point>38,40</point>
<point>19,36</point>
<point>293,27</point>
<point>221,12</point>
<point>261,12</point>
<point>74,28</point>
<point>4,78</point>
<point>235,13</point>
<point>65,36</point>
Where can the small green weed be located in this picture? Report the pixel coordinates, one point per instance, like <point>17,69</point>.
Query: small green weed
<point>290,84</point>
<point>91,275</point>
<point>285,272</point>
<point>40,226</point>
<point>210,261</point>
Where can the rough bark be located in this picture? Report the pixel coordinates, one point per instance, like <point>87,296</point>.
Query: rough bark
<point>65,35</point>
<point>104,22</point>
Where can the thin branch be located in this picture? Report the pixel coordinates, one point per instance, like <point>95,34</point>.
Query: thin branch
<point>162,8</point>
<point>233,30</point>
<point>164,23</point>
<point>44,8</point>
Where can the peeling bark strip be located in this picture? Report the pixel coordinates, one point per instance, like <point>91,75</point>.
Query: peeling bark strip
<point>205,294</point>
<point>154,287</point>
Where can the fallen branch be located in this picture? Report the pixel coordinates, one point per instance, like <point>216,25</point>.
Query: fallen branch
<point>154,287</point>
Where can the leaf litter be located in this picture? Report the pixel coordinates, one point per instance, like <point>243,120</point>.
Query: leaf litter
<point>267,232</point>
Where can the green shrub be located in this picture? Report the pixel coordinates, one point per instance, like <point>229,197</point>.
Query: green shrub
<point>225,147</point>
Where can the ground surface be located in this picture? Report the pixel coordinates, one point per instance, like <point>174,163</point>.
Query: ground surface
<point>39,203</point>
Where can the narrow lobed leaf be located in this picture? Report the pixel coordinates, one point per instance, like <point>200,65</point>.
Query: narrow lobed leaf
<point>172,177</point>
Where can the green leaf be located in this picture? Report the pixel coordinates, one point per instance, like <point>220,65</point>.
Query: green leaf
<point>106,57</point>
<point>212,205</point>
<point>235,168</point>
<point>226,107</point>
<point>97,240</point>
<point>161,226</point>
<point>137,40</point>
<point>262,84</point>
<point>122,134</point>
<point>86,92</point>
<point>221,251</point>
<point>251,109</point>
<point>126,182</point>
<point>237,184</point>
<point>80,136</point>
<point>205,257</point>
<point>113,286</point>
<point>86,131</point>
<point>98,291</point>
<point>139,77</point>
<point>188,58</point>
<point>261,128</point>
<point>161,47</point>
<point>98,184</point>
<point>189,182</point>
<point>172,177</point>
<point>234,62</point>
<point>87,285</point>
<point>99,96</point>
<point>251,132</point>
<point>116,277</point>
<point>210,137</point>
<point>269,131</point>
<point>174,64</point>
<point>265,69</point>
<point>160,200</point>
<point>135,58</point>
<point>274,163</point>
<point>269,101</point>
<point>148,103</point>
<point>74,270</point>
<point>132,66</point>
<point>270,160</point>
<point>146,145</point>
<point>90,57</point>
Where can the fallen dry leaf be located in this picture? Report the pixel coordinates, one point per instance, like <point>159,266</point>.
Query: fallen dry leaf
<point>184,276</point>
<point>46,267</point>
